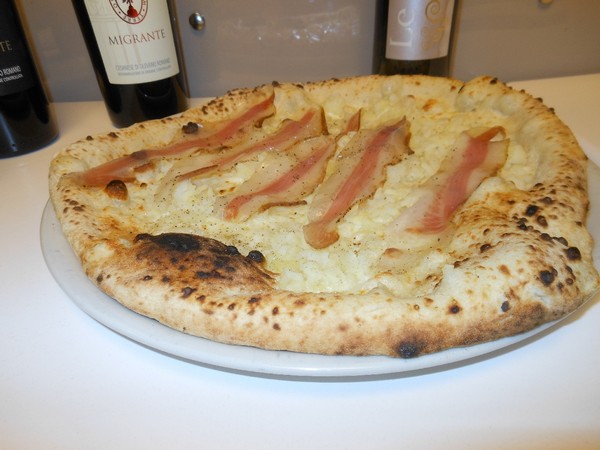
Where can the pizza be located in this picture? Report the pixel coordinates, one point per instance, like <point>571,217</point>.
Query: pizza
<point>398,216</point>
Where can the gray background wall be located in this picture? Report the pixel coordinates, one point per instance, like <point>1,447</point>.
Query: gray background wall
<point>247,42</point>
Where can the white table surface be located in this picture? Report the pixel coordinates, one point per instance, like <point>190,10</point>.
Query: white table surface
<point>67,382</point>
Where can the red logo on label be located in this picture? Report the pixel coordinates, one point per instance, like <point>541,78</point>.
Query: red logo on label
<point>130,11</point>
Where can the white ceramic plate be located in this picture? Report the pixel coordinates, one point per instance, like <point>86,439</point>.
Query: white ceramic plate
<point>65,268</point>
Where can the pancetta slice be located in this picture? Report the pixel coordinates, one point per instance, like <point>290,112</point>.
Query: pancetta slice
<point>284,178</point>
<point>473,158</point>
<point>205,136</point>
<point>358,172</point>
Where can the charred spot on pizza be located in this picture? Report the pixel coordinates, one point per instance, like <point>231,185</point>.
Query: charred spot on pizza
<point>187,291</point>
<point>178,242</point>
<point>232,250</point>
<point>408,350</point>
<point>190,128</point>
<point>117,189</point>
<point>531,210</point>
<point>547,277</point>
<point>562,240</point>
<point>485,247</point>
<point>505,306</point>
<point>454,307</point>
<point>573,254</point>
<point>256,256</point>
<point>541,220</point>
<point>203,275</point>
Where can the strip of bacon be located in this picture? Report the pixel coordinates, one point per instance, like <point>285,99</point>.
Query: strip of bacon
<point>210,135</point>
<point>285,178</point>
<point>291,131</point>
<point>471,160</point>
<point>353,123</point>
<point>359,172</point>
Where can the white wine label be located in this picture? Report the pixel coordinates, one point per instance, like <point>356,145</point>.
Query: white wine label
<point>135,39</point>
<point>418,29</point>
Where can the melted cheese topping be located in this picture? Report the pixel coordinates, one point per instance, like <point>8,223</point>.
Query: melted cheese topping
<point>350,264</point>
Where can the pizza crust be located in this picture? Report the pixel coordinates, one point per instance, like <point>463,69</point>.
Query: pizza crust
<point>518,255</point>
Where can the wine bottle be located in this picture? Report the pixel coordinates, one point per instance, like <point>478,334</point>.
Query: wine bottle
<point>414,37</point>
<point>134,49</point>
<point>26,120</point>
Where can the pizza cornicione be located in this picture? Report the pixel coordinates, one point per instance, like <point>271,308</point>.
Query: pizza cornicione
<point>374,215</point>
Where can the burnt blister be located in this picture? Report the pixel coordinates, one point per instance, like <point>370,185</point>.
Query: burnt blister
<point>256,256</point>
<point>408,350</point>
<point>190,128</point>
<point>573,254</point>
<point>547,277</point>
<point>531,210</point>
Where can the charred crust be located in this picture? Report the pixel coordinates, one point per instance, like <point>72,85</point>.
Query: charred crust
<point>541,220</point>
<point>573,254</point>
<point>186,261</point>
<point>547,277</point>
<point>531,210</point>
<point>116,189</point>
<point>408,350</point>
<point>505,306</point>
<point>187,291</point>
<point>178,242</point>
<point>190,128</point>
<point>256,256</point>
<point>203,275</point>
<point>562,240</point>
<point>232,250</point>
<point>454,309</point>
<point>485,247</point>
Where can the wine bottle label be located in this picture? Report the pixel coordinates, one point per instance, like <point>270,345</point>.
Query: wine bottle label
<point>418,29</point>
<point>135,39</point>
<point>16,73</point>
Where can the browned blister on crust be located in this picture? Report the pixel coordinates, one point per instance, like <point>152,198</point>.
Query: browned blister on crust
<point>517,253</point>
